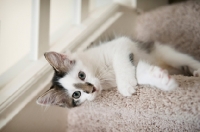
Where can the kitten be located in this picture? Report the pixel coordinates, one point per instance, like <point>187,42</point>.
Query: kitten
<point>120,63</point>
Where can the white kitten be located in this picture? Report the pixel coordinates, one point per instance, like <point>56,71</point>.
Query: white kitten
<point>120,63</point>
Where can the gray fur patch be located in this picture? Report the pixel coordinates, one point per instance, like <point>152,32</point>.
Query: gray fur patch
<point>146,46</point>
<point>186,71</point>
<point>86,87</point>
<point>56,96</point>
<point>131,58</point>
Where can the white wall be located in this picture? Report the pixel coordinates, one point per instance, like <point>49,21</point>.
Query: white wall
<point>15,27</point>
<point>15,32</point>
<point>15,20</point>
<point>61,17</point>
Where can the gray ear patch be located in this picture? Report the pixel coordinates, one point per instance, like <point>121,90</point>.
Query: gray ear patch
<point>60,62</point>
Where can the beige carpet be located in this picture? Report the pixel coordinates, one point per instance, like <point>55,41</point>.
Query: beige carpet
<point>150,110</point>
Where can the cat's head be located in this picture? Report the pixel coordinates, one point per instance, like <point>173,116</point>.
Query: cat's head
<point>73,82</point>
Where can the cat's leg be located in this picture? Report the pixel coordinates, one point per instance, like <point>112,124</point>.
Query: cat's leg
<point>125,72</point>
<point>154,76</point>
<point>177,60</point>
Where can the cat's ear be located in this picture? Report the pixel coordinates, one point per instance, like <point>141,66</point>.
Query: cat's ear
<point>60,62</point>
<point>55,97</point>
<point>47,98</point>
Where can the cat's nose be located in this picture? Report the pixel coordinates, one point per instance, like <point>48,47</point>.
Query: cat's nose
<point>89,84</point>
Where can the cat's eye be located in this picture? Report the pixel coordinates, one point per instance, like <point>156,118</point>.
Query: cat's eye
<point>76,94</point>
<point>81,75</point>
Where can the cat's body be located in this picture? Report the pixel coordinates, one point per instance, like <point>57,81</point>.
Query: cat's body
<point>120,63</point>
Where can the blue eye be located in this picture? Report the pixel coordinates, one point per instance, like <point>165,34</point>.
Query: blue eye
<point>82,75</point>
<point>76,94</point>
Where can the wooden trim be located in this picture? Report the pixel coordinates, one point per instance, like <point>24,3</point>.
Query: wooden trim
<point>40,28</point>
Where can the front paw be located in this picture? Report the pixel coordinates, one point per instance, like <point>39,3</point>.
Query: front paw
<point>162,79</point>
<point>127,88</point>
<point>196,73</point>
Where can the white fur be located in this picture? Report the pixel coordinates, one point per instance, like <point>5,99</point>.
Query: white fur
<point>108,66</point>
<point>154,76</point>
<point>176,59</point>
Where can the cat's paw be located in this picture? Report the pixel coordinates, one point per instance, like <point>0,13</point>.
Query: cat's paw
<point>196,73</point>
<point>169,83</point>
<point>162,79</point>
<point>127,88</point>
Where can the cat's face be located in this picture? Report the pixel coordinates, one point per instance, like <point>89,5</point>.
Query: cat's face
<point>73,83</point>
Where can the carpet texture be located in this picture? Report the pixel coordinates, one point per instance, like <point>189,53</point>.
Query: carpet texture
<point>151,109</point>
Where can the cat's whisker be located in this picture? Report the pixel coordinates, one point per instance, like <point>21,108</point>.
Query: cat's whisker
<point>46,107</point>
<point>105,80</point>
<point>96,70</point>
